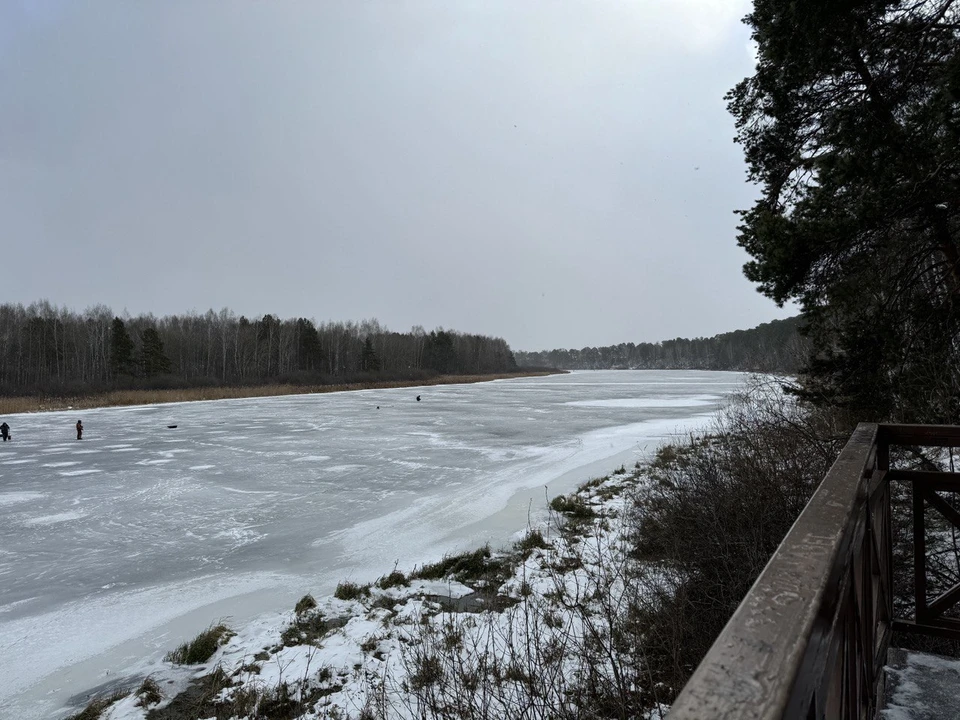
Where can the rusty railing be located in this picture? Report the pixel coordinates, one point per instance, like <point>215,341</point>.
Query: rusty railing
<point>810,638</point>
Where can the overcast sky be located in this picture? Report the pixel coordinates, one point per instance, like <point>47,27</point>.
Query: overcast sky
<point>557,173</point>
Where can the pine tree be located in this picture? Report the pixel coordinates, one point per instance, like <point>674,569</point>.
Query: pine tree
<point>153,361</point>
<point>369,361</point>
<point>121,349</point>
<point>851,126</point>
<point>309,348</point>
<point>439,352</point>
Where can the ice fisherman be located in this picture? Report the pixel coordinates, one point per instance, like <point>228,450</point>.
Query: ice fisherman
<point>418,398</point>
<point>79,430</point>
<point>5,431</point>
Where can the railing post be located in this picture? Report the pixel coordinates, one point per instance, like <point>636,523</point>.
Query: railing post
<point>883,465</point>
<point>919,555</point>
<point>885,581</point>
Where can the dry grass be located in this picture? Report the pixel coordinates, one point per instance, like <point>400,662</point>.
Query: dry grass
<point>98,706</point>
<point>11,405</point>
<point>202,647</point>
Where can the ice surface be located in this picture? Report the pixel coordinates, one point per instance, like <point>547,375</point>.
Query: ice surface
<point>649,402</point>
<point>119,546</point>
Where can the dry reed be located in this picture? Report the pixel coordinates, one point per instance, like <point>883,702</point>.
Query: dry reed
<point>11,405</point>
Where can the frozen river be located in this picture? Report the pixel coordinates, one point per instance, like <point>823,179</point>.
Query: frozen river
<point>115,548</point>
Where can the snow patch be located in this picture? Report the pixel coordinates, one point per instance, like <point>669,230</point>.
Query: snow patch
<point>54,519</point>
<point>13,498</point>
<point>312,458</point>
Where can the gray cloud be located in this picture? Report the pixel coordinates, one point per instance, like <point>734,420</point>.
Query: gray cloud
<point>558,173</point>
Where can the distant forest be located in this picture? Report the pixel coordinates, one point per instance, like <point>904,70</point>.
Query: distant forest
<point>772,347</point>
<point>45,349</point>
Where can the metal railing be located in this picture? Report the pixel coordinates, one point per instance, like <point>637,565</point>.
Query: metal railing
<point>810,639</point>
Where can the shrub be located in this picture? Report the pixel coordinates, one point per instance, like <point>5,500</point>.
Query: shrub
<point>279,702</point>
<point>394,579</point>
<point>463,567</point>
<point>305,603</point>
<point>595,482</point>
<point>572,506</point>
<point>347,590</point>
<point>96,707</point>
<point>201,648</point>
<point>306,629</point>
<point>720,510</point>
<point>148,693</point>
<point>534,539</point>
<point>427,671</point>
<point>385,602</point>
<point>666,456</point>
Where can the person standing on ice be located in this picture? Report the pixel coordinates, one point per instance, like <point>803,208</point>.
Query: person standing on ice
<point>5,431</point>
<point>79,430</point>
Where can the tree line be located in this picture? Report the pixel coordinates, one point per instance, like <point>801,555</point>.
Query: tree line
<point>47,349</point>
<point>777,346</point>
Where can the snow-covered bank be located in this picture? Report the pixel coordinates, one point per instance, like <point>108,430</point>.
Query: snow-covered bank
<point>529,627</point>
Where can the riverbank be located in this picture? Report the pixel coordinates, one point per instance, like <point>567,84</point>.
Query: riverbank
<point>121,398</point>
<point>477,634</point>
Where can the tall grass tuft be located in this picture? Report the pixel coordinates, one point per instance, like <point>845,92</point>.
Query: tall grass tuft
<point>464,567</point>
<point>148,693</point>
<point>305,603</point>
<point>98,706</point>
<point>201,648</point>
<point>347,590</point>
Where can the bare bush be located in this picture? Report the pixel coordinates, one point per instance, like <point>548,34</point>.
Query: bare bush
<point>714,514</point>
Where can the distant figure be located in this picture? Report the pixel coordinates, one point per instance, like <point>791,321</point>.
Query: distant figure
<point>79,430</point>
<point>418,398</point>
<point>378,407</point>
<point>5,431</point>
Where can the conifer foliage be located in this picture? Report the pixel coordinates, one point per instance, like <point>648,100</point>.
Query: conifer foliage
<point>153,361</point>
<point>774,347</point>
<point>851,126</point>
<point>369,362</point>
<point>121,349</point>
